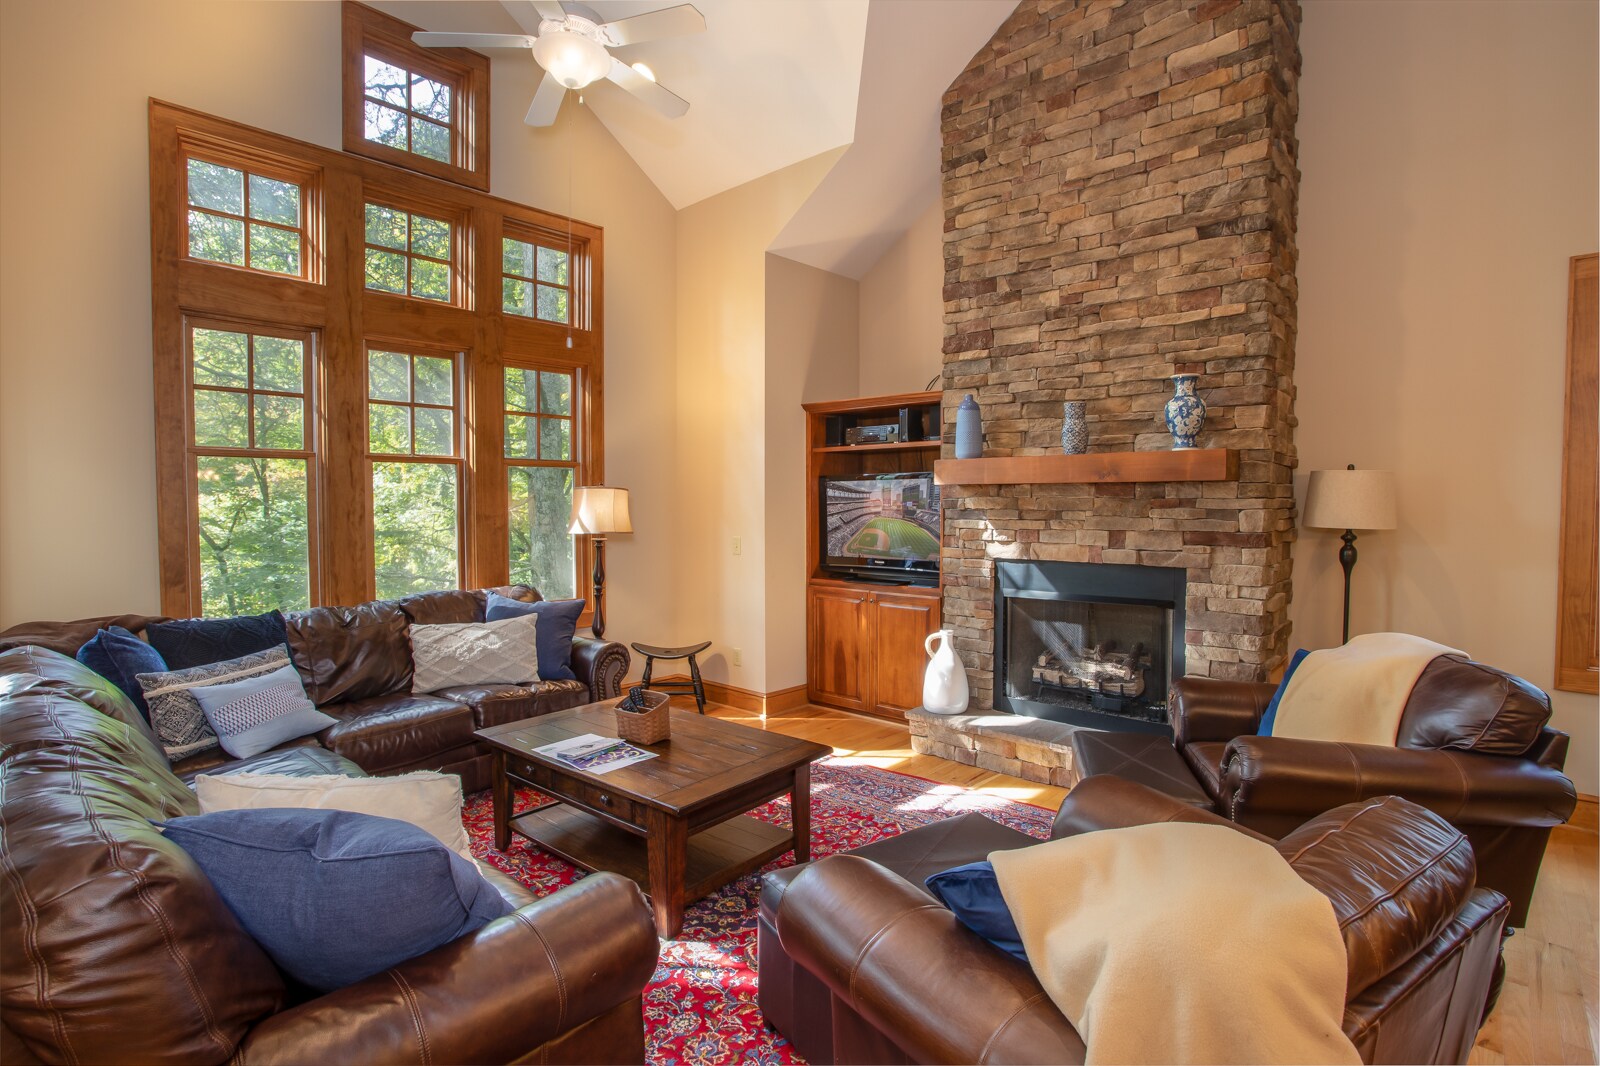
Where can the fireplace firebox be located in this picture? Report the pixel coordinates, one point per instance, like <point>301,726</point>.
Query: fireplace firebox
<point>1091,644</point>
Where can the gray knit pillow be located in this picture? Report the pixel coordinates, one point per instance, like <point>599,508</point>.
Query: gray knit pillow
<point>475,653</point>
<point>175,714</point>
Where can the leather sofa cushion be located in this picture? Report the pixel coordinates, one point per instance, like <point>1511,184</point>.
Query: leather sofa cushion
<point>396,732</point>
<point>458,605</point>
<point>34,668</point>
<point>68,637</point>
<point>351,653</point>
<point>118,923</point>
<point>1467,706</point>
<point>298,758</point>
<point>1205,759</point>
<point>499,704</point>
<point>1395,872</point>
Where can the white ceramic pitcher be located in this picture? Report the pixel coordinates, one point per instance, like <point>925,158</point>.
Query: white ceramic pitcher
<point>944,685</point>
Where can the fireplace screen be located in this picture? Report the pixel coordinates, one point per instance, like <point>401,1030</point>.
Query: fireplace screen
<point>1108,657</point>
<point>1088,643</point>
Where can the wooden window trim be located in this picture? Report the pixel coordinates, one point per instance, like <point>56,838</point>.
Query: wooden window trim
<point>1576,589</point>
<point>194,452</point>
<point>344,316</point>
<point>266,165</point>
<point>465,71</point>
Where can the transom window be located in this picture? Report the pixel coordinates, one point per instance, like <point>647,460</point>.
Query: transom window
<point>408,254</point>
<point>244,219</point>
<point>536,281</point>
<point>541,469</point>
<point>249,460</point>
<point>416,475</point>
<point>405,110</point>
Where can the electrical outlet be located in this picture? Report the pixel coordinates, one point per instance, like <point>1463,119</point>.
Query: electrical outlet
<point>738,546</point>
<point>738,656</point>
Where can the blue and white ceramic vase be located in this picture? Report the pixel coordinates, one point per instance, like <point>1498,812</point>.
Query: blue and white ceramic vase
<point>1074,428</point>
<point>1186,412</point>
<point>969,430</point>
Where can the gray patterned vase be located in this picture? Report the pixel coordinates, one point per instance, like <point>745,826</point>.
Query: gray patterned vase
<point>1074,430</point>
<point>1186,412</point>
<point>969,430</point>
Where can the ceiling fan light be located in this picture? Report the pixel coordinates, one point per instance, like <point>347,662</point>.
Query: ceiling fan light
<point>574,60</point>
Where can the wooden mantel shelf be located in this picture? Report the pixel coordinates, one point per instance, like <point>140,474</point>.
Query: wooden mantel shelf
<point>1196,464</point>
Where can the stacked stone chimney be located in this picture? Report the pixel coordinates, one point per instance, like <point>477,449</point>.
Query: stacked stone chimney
<point>1119,186</point>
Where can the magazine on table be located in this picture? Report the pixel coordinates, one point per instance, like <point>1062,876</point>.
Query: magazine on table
<point>597,755</point>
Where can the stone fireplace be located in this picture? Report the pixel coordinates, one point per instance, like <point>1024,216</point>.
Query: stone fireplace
<point>1119,186</point>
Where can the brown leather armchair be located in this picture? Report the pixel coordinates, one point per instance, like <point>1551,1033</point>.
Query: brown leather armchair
<point>860,965</point>
<point>1473,747</point>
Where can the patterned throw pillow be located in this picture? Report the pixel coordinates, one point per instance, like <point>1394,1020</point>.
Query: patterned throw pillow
<point>256,713</point>
<point>176,715</point>
<point>475,653</point>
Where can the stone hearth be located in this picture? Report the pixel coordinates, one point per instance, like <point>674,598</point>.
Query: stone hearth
<point>1030,748</point>
<point>1119,186</point>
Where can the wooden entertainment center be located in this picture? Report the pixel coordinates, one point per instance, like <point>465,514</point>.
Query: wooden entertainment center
<point>864,639</point>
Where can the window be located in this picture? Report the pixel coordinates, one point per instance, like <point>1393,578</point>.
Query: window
<point>352,432</point>
<point>250,463</point>
<point>536,281</point>
<point>541,471</point>
<point>409,254</point>
<point>425,109</point>
<point>244,219</point>
<point>416,474</point>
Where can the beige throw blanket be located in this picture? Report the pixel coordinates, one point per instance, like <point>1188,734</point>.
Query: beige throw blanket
<point>1357,693</point>
<point>1181,943</point>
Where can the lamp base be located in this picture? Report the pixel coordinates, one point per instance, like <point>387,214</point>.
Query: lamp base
<point>1347,559</point>
<point>598,625</point>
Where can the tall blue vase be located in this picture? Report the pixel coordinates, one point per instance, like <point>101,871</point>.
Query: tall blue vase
<point>969,430</point>
<point>1186,412</point>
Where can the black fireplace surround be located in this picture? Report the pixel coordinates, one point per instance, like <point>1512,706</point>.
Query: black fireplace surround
<point>1090,644</point>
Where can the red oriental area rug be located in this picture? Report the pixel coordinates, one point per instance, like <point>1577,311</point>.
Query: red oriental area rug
<point>700,1007</point>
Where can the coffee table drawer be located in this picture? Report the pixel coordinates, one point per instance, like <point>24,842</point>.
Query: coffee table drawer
<point>595,797</point>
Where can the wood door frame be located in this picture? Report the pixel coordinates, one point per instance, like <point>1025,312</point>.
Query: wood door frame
<point>1576,577</point>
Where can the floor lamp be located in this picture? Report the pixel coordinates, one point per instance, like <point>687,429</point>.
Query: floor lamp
<point>597,511</point>
<point>1350,499</point>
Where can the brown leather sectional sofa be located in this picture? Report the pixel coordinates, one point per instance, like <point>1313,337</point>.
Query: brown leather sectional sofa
<point>114,947</point>
<point>356,666</point>
<point>860,965</point>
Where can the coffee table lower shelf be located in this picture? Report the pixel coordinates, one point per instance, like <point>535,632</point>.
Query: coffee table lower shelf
<point>717,855</point>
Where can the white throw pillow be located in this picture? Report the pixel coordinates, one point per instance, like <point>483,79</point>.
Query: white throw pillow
<point>429,800</point>
<point>475,653</point>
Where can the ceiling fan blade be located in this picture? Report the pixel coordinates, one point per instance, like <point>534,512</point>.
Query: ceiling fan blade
<point>529,13</point>
<point>677,21</point>
<point>472,40</point>
<point>546,102</point>
<point>665,101</point>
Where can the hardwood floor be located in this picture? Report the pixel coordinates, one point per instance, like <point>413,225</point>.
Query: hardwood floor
<point>1549,1010</point>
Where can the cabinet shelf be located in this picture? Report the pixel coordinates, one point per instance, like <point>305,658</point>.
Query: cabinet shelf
<point>899,446</point>
<point>1194,464</point>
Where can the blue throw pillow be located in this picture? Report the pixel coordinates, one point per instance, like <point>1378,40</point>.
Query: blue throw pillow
<point>203,641</point>
<point>335,896</point>
<point>117,655</point>
<point>972,892</point>
<point>558,620</point>
<point>1270,715</point>
<point>254,714</point>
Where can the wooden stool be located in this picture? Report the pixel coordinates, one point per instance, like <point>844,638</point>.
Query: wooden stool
<point>692,686</point>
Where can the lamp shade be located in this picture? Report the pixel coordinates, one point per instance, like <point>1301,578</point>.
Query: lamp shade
<point>598,509</point>
<point>1350,499</point>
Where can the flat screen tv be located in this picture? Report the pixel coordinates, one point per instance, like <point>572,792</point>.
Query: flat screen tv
<point>883,526</point>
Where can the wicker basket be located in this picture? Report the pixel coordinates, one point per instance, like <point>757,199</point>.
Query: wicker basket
<point>649,726</point>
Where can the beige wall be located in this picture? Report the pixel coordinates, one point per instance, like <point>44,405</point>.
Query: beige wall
<point>1449,161</point>
<point>721,403</point>
<point>77,521</point>
<point>813,327</point>
<point>902,310</point>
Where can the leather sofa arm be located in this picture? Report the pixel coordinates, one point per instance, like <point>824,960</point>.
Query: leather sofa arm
<point>600,664</point>
<point>494,996</point>
<point>1271,780</point>
<point>905,964</point>
<point>1205,708</point>
<point>1106,801</point>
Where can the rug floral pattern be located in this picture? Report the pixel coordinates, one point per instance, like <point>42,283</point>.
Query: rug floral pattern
<point>700,1006</point>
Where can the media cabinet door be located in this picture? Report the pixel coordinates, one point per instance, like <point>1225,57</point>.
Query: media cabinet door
<point>900,628</point>
<point>838,639</point>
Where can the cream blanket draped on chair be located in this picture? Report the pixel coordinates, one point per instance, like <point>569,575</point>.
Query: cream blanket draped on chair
<point>1355,694</point>
<point>1181,943</point>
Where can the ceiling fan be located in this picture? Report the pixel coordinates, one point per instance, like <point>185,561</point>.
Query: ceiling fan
<point>573,46</point>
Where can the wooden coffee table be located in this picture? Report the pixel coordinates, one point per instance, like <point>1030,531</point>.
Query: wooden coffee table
<point>678,824</point>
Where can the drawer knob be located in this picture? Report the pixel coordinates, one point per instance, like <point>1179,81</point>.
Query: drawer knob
<point>605,798</point>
